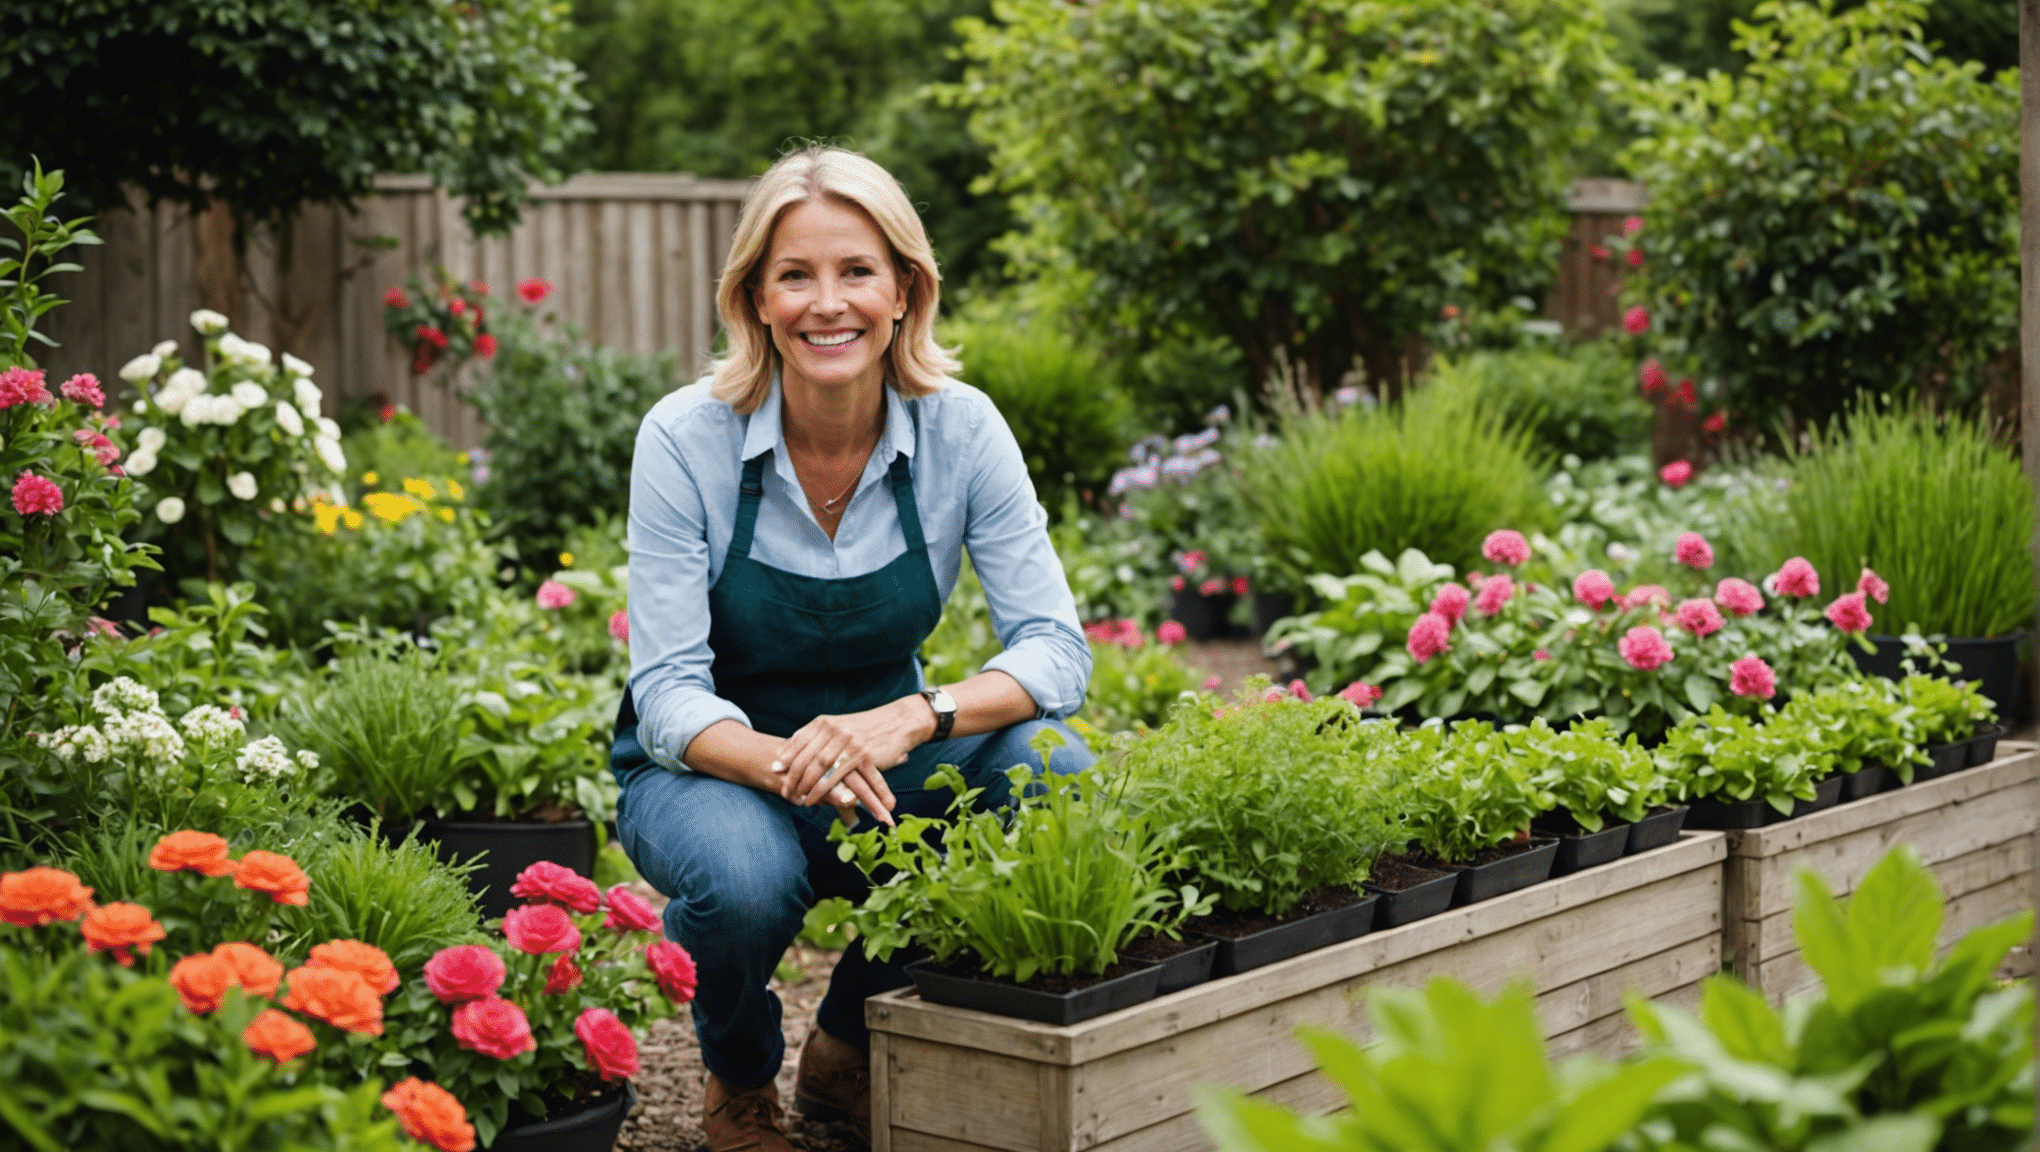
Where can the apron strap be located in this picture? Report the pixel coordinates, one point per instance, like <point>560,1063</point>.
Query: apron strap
<point>902,479</point>
<point>747,505</point>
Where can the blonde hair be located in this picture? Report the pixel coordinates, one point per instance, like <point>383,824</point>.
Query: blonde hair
<point>914,364</point>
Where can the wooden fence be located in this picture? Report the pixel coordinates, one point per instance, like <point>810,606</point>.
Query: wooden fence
<point>633,257</point>
<point>1584,296</point>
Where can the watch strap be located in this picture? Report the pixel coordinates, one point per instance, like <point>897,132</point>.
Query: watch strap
<point>945,718</point>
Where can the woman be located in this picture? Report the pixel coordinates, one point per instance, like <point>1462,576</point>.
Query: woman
<point>796,523</point>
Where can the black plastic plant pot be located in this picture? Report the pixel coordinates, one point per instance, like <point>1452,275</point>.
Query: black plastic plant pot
<point>590,1129</point>
<point>1270,607</point>
<point>1202,617</point>
<point>1865,782</point>
<point>1826,794</point>
<point>1478,882</point>
<point>1414,903</point>
<point>1944,760</point>
<point>1659,827</point>
<point>1725,815</point>
<point>1580,851</point>
<point>1317,930</point>
<point>1992,664</point>
<point>509,848</point>
<point>1983,745</point>
<point>1006,999</point>
<point>1188,968</point>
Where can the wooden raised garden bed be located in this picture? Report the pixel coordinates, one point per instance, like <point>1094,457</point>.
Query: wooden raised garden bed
<point>951,1078</point>
<point>1974,829</point>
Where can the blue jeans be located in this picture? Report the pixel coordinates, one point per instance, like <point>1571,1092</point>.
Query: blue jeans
<point>742,867</point>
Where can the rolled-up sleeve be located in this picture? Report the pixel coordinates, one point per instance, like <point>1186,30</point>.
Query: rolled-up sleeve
<point>1033,612</point>
<point>669,577</point>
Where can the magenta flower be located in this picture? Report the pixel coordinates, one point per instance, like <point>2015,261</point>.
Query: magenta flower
<point>1676,473</point>
<point>619,625</point>
<point>1212,587</point>
<point>1541,654</point>
<point>1646,594</point>
<point>1700,617</point>
<point>1636,321</point>
<point>553,595</point>
<point>1495,592</point>
<point>1635,257</point>
<point>1849,613</point>
<point>1212,683</point>
<point>1796,578</point>
<point>464,972</point>
<point>534,289</point>
<point>1593,588</point>
<point>1360,695</point>
<point>1872,585</point>
<point>1241,586</point>
<point>1430,635</point>
<point>493,1027</point>
<point>1693,551</point>
<point>1450,602</point>
<point>1740,597</point>
<point>1631,225</point>
<point>1505,546</point>
<point>1301,691</point>
<point>630,912</point>
<point>1645,648</point>
<point>23,386</point>
<point>541,928</point>
<point>37,495</point>
<point>1171,633</point>
<point>1752,678</point>
<point>84,389</point>
<point>1176,584</point>
<point>1652,377</point>
<point>546,882</point>
<point>1191,561</point>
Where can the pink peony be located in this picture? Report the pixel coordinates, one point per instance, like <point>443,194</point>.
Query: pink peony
<point>534,290</point>
<point>612,1052</point>
<point>541,928</point>
<point>84,389</point>
<point>1700,617</point>
<point>23,386</point>
<point>1541,654</point>
<point>619,625</point>
<point>1213,683</point>
<point>1212,587</point>
<point>493,1027</point>
<point>1740,597</point>
<point>548,883</point>
<point>1505,546</point>
<point>1191,561</point>
<point>1872,585</point>
<point>464,972</point>
<point>1301,691</point>
<point>1450,602</point>
<point>1360,695</point>
<point>1849,613</point>
<point>1676,473</point>
<point>1693,551</point>
<point>1430,635</point>
<point>1171,632</point>
<point>1646,594</point>
<point>1796,578</point>
<point>1636,321</point>
<point>562,977</point>
<point>1753,678</point>
<point>37,495</point>
<point>1645,649</point>
<point>1652,377</point>
<point>1495,592</point>
<point>630,912</point>
<point>1593,588</point>
<point>553,595</point>
<point>1241,586</point>
<point>1631,225</point>
<point>674,969</point>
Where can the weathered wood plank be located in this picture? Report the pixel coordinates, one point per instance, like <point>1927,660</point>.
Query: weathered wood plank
<point>978,1097</point>
<point>908,1140</point>
<point>2016,763</point>
<point>1787,973</point>
<point>1308,1093</point>
<point>881,1092</point>
<point>702,271</point>
<point>611,319</point>
<point>1613,1035</point>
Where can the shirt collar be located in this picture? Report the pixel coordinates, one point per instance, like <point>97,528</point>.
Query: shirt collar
<point>767,433</point>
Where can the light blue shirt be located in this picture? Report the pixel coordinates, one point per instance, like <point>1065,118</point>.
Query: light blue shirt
<point>970,487</point>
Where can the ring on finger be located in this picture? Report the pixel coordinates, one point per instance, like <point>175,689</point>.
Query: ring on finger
<point>835,768</point>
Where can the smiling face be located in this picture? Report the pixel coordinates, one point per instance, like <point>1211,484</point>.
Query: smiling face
<point>829,292</point>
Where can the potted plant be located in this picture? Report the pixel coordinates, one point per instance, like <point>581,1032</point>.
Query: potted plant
<point>1029,912</point>
<point>1741,773</point>
<point>1200,600</point>
<point>1600,786</point>
<point>1867,730</point>
<point>1468,803</point>
<point>1947,717</point>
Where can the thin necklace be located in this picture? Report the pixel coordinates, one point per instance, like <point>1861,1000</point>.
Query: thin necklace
<point>830,505</point>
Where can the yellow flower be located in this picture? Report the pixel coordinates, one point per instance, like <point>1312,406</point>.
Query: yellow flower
<point>351,518</point>
<point>422,489</point>
<point>326,517</point>
<point>566,559</point>
<point>370,478</point>
<point>455,491</point>
<point>446,514</point>
<point>391,507</point>
<point>461,459</point>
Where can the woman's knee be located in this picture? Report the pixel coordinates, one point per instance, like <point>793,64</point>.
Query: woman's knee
<point>727,860</point>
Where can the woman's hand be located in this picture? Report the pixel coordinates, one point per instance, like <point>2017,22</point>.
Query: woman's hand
<point>842,759</point>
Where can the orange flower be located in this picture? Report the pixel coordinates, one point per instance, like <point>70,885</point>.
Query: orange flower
<point>118,927</point>
<point>278,1037</point>
<point>275,874</point>
<point>188,851</point>
<point>364,960</point>
<point>430,1113</point>
<point>342,999</point>
<point>202,981</point>
<point>38,896</point>
<point>253,970</point>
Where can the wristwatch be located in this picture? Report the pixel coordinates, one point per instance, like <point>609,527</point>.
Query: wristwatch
<point>945,711</point>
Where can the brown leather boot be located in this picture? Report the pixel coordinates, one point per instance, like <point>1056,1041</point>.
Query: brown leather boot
<point>834,1082</point>
<point>742,1120</point>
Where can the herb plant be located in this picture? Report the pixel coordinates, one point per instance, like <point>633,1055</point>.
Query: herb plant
<point>1859,723</point>
<point>1588,771</point>
<point>386,732</point>
<point>1465,790</point>
<point>1728,758</point>
<point>1945,711</point>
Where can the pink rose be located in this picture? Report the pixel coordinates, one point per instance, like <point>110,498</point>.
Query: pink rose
<point>612,1053</point>
<point>619,625</point>
<point>1495,592</point>
<point>554,595</point>
<point>1652,377</point>
<point>1635,257</point>
<point>1636,321</point>
<point>1429,636</point>
<point>630,912</point>
<point>1700,617</point>
<point>1676,473</point>
<point>1647,594</point>
<point>1740,597</point>
<point>1752,678</point>
<point>548,883</point>
<point>1796,578</point>
<point>1360,695</point>
<point>1631,225</point>
<point>1127,634</point>
<point>493,1027</point>
<point>84,389</point>
<point>673,968</point>
<point>1849,613</point>
<point>563,975</point>
<point>37,495</point>
<point>1872,585</point>
<point>1645,649</point>
<point>1593,588</point>
<point>464,972</point>
<point>1450,602</point>
<point>541,928</point>
<point>1693,551</point>
<point>1176,584</point>
<point>1505,546</point>
<point>1171,633</point>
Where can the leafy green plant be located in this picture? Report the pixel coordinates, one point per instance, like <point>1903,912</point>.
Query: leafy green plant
<point>1115,569</point>
<point>1934,503</point>
<point>205,650</point>
<point>1058,885</point>
<point>1185,496</point>
<point>1589,772</point>
<point>387,733</point>
<point>1859,723</point>
<point>44,237</point>
<point>1134,686</point>
<point>1945,711</point>
<point>1580,401</point>
<point>1718,756</point>
<point>401,897</point>
<point>1465,791</point>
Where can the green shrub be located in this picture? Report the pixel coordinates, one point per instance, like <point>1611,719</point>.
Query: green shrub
<point>402,897</point>
<point>1842,215</point>
<point>1581,401</point>
<point>1464,791</point>
<point>387,733</point>
<point>1134,686</point>
<point>1931,503</point>
<point>1944,712</point>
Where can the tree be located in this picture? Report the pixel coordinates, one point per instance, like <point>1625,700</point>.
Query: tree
<point>1313,178</point>
<point>1697,35</point>
<point>1841,216</point>
<point>265,105</point>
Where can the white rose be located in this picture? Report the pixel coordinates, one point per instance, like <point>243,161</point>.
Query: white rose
<point>152,440</point>
<point>253,353</point>
<point>250,394</point>
<point>141,462</point>
<point>329,428</point>
<point>141,368</point>
<point>231,346</point>
<point>276,504</point>
<point>242,485</point>
<point>208,322</point>
<point>226,410</point>
<point>166,348</point>
<point>329,450</point>
<point>170,510</point>
<point>308,396</point>
<point>193,410</point>
<point>295,366</point>
<point>287,418</point>
<point>140,406</point>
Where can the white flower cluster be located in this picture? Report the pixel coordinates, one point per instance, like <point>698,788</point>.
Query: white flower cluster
<point>124,694</point>
<point>287,418</point>
<point>246,352</point>
<point>268,757</point>
<point>213,729</point>
<point>147,734</point>
<point>142,460</point>
<point>131,721</point>
<point>74,743</point>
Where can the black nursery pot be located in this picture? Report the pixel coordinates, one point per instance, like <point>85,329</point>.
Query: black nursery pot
<point>1826,794</point>
<point>1993,664</point>
<point>509,848</point>
<point>1947,759</point>
<point>1579,850</point>
<point>1188,968</point>
<point>1318,930</point>
<point>1202,617</point>
<point>1005,999</point>
<point>1270,607</point>
<point>1478,882</point>
<point>1983,745</point>
<point>590,1129</point>
<point>1659,827</point>
<point>1417,902</point>
<point>1866,781</point>
<point>1725,815</point>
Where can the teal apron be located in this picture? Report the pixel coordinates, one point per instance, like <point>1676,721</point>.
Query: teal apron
<point>789,648</point>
